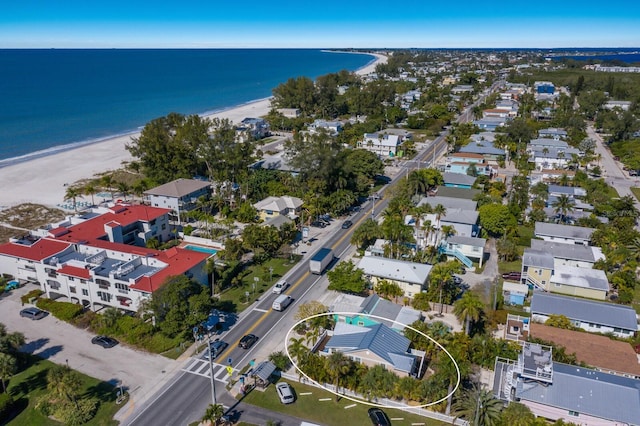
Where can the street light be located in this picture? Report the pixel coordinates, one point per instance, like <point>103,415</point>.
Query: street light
<point>213,386</point>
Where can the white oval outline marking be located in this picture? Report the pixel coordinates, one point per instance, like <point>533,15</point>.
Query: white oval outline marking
<point>361,401</point>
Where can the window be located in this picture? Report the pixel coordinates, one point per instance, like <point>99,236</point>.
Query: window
<point>361,323</point>
<point>83,281</point>
<point>104,296</point>
<point>122,288</point>
<point>104,284</point>
<point>72,279</point>
<point>55,285</point>
<point>164,226</point>
<point>72,289</point>
<point>85,292</point>
<point>574,413</point>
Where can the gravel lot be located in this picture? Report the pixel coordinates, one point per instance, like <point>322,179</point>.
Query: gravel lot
<point>62,343</point>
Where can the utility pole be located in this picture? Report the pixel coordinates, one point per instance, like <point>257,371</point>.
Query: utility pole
<point>213,386</point>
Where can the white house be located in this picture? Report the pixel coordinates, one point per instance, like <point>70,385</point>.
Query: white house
<point>382,145</point>
<point>411,277</point>
<point>567,234</point>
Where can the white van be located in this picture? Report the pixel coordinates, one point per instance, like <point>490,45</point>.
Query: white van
<point>281,303</point>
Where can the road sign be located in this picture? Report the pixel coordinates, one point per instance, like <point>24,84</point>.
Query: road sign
<point>229,369</point>
<point>305,231</point>
<point>229,361</point>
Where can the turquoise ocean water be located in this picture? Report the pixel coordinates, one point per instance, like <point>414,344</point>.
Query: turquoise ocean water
<point>54,99</point>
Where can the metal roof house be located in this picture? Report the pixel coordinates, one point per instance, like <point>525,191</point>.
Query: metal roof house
<point>397,315</point>
<point>576,255</point>
<point>458,180</point>
<point>563,233</point>
<point>587,396</point>
<point>374,345</point>
<point>591,316</point>
<point>411,277</point>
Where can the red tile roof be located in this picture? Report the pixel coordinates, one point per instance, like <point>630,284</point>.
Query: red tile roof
<point>93,228</point>
<point>38,251</point>
<point>74,271</point>
<point>178,260</point>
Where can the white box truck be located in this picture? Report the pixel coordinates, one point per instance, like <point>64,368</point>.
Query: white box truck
<point>319,262</point>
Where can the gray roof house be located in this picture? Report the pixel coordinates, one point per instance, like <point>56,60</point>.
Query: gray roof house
<point>582,395</point>
<point>373,304</point>
<point>180,195</point>
<point>373,345</point>
<point>411,277</point>
<point>592,316</point>
<point>484,148</point>
<point>458,180</point>
<point>563,233</point>
<point>569,254</point>
<point>449,202</point>
<point>553,133</point>
<point>537,259</point>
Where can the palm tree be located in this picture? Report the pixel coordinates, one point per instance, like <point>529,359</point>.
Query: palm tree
<point>440,211</point>
<point>64,383</point>
<point>468,308</point>
<point>213,413</point>
<point>7,368</point>
<point>479,407</point>
<point>108,182</point>
<point>297,349</point>
<point>124,189</point>
<point>72,194</point>
<point>338,366</point>
<point>90,188</point>
<point>563,205</point>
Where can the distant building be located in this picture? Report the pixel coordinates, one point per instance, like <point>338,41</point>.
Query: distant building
<point>289,112</point>
<point>545,87</point>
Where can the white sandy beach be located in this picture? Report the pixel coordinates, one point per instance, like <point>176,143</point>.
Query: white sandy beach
<point>42,180</point>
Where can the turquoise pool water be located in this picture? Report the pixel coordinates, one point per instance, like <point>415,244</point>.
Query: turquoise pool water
<point>201,249</point>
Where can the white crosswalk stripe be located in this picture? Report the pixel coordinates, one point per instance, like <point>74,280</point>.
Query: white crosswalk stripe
<point>200,367</point>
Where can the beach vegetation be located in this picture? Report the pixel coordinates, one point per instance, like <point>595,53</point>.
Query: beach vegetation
<point>65,311</point>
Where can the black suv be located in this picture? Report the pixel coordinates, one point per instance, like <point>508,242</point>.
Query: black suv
<point>247,341</point>
<point>378,417</point>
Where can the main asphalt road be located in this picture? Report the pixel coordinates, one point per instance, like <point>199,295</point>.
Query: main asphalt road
<point>185,397</point>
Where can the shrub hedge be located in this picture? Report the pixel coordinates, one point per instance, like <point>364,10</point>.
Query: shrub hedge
<point>32,294</point>
<point>64,311</point>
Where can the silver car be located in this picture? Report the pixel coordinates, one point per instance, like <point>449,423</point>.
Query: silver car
<point>285,393</point>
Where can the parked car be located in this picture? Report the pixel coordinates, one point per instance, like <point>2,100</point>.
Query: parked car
<point>280,286</point>
<point>512,276</point>
<point>216,347</point>
<point>104,341</point>
<point>318,224</point>
<point>247,341</point>
<point>285,393</point>
<point>347,224</point>
<point>457,280</point>
<point>378,417</point>
<point>33,313</point>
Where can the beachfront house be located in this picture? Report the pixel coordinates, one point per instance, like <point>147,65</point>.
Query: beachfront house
<point>99,260</point>
<point>253,129</point>
<point>179,196</point>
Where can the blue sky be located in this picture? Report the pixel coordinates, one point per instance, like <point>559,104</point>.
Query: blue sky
<point>332,23</point>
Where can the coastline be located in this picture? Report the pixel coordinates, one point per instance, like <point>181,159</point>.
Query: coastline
<point>41,177</point>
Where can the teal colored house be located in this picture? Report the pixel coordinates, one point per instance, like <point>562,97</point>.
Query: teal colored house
<point>360,308</point>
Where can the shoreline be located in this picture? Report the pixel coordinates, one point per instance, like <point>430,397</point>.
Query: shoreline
<point>42,177</point>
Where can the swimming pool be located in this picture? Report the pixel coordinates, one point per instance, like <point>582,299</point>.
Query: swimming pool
<point>201,249</point>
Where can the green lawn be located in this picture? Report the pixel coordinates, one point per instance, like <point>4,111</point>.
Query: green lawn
<point>328,412</point>
<point>28,385</point>
<point>237,295</point>
<point>636,192</point>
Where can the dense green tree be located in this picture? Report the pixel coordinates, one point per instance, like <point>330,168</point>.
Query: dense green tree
<point>562,206</point>
<point>338,366</point>
<point>179,305</point>
<point>559,321</point>
<point>442,288</point>
<point>388,289</point>
<point>517,414</point>
<point>166,152</point>
<point>298,93</point>
<point>420,302</point>
<point>496,218</point>
<point>213,413</point>
<point>346,277</point>
<point>590,102</point>
<point>265,238</point>
<point>246,213</point>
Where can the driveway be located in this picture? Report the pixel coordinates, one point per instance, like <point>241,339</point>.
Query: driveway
<point>62,343</point>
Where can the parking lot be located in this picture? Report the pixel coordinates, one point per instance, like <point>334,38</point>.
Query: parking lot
<point>63,343</point>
